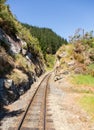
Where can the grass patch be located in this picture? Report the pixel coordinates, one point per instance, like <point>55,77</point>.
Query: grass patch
<point>83,80</point>
<point>87,102</point>
<point>91,67</point>
<point>50,61</point>
<point>22,63</point>
<point>18,76</point>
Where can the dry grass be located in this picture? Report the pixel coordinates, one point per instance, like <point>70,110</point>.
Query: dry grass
<point>17,76</point>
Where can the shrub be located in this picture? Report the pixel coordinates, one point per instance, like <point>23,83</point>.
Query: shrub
<point>79,57</point>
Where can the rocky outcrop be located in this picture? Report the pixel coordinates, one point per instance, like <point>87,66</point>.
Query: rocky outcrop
<point>9,91</point>
<point>14,45</point>
<point>19,68</point>
<point>65,62</point>
<point>6,62</point>
<point>75,58</point>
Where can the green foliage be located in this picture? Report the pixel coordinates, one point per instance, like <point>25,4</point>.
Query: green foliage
<point>48,40</point>
<point>7,20</point>
<point>50,61</point>
<point>89,42</point>
<point>6,62</point>
<point>91,67</point>
<point>2,1</point>
<point>22,62</point>
<point>18,76</point>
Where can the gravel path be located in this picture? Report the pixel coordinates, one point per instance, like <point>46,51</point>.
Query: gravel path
<point>67,115</point>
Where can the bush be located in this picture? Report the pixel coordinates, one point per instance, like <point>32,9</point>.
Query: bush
<point>50,61</point>
<point>79,57</point>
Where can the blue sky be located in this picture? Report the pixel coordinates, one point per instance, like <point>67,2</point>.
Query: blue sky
<point>62,16</point>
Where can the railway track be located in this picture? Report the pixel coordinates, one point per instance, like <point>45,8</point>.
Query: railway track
<point>38,114</point>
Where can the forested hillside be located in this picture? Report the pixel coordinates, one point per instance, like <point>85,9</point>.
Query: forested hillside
<point>49,41</point>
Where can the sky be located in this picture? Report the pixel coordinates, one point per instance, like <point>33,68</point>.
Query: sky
<point>62,16</point>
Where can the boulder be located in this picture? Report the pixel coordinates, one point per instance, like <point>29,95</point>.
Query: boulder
<point>3,95</point>
<point>8,83</point>
<point>23,87</point>
<point>8,91</point>
<point>58,77</point>
<point>71,63</point>
<point>24,52</point>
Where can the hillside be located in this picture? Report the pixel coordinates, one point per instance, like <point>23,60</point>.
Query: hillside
<point>25,53</point>
<point>49,42</point>
<point>78,56</point>
<point>21,58</point>
<point>74,70</point>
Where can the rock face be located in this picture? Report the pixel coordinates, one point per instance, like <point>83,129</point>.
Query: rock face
<point>19,68</point>
<point>8,91</point>
<point>65,62</point>
<point>14,45</point>
<point>75,59</point>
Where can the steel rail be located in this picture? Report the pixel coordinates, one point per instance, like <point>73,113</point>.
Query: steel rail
<point>45,103</point>
<point>23,118</point>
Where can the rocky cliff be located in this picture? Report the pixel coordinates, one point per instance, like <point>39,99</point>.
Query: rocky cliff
<point>19,67</point>
<point>75,58</point>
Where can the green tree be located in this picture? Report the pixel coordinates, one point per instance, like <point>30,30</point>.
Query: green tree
<point>2,1</point>
<point>49,41</point>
